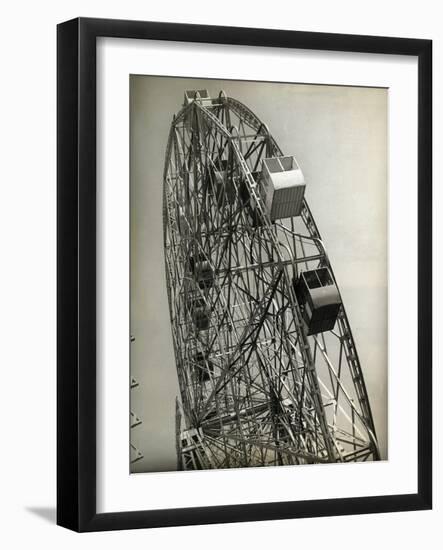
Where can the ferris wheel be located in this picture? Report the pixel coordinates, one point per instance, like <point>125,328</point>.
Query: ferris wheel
<point>267,366</point>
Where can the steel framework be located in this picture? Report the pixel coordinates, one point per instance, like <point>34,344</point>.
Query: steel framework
<point>255,388</point>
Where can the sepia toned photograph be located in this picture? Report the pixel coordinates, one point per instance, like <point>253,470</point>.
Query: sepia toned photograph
<point>258,274</point>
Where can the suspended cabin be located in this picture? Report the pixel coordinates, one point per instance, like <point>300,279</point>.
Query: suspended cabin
<point>200,268</point>
<point>319,299</point>
<point>220,184</point>
<point>204,368</point>
<point>202,96</point>
<point>190,438</point>
<point>283,187</point>
<point>200,313</point>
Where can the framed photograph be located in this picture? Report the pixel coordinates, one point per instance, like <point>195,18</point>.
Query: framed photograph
<point>244,274</point>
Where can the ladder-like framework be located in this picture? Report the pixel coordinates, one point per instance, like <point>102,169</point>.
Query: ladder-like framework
<point>256,388</point>
<point>135,454</point>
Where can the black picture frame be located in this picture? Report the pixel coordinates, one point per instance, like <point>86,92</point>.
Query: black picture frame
<point>76,279</point>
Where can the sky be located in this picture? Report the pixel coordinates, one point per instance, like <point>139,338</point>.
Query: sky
<point>338,135</point>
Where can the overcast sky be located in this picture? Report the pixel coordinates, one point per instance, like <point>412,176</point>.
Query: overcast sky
<point>339,137</point>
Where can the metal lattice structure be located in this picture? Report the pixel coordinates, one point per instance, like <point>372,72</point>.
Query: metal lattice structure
<point>134,453</point>
<point>257,385</point>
